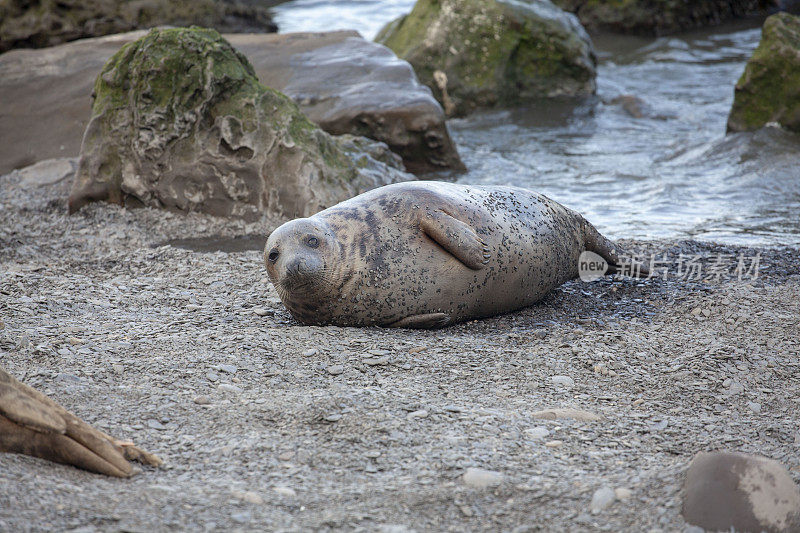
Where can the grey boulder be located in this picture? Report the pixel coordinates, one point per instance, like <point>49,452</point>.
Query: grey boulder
<point>726,490</point>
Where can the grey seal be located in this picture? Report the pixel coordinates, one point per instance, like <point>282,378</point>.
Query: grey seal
<point>428,254</point>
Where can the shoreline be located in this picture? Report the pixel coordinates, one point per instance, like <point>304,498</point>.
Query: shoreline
<point>264,423</point>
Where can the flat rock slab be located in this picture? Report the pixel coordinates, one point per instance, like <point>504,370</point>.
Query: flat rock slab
<point>341,81</point>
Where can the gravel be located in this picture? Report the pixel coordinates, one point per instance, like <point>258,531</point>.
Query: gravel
<point>267,424</point>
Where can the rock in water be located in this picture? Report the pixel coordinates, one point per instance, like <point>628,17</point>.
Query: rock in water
<point>180,120</point>
<point>646,17</point>
<point>346,84</point>
<point>487,53</point>
<point>726,491</point>
<point>769,89</point>
<point>26,24</point>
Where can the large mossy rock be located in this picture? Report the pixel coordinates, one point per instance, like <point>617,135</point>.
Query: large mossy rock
<point>769,89</point>
<point>180,121</point>
<point>40,23</point>
<point>486,53</point>
<point>661,17</point>
<point>341,82</point>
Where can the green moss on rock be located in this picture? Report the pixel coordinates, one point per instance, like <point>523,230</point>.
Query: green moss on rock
<point>493,53</point>
<point>769,89</point>
<point>180,120</point>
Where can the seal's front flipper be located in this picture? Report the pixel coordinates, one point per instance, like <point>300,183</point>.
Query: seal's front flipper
<point>618,259</point>
<point>427,321</point>
<point>457,238</point>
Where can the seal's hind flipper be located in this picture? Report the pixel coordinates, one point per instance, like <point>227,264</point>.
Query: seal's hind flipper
<point>427,321</point>
<point>618,259</point>
<point>457,238</point>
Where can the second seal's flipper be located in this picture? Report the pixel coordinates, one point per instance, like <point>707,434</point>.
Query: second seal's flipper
<point>33,424</point>
<point>618,259</point>
<point>427,321</point>
<point>457,238</point>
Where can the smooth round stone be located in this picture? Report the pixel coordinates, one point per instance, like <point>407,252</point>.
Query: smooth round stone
<point>538,432</point>
<point>602,498</point>
<point>754,406</point>
<point>563,381</point>
<point>622,493</point>
<point>335,370</point>
<point>480,478</point>
<point>285,491</point>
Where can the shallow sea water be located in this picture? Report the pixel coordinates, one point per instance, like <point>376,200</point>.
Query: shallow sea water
<point>671,173</point>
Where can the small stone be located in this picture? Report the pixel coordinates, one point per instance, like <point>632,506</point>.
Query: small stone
<point>230,369</point>
<point>202,400</point>
<point>563,381</point>
<point>227,387</point>
<point>310,352</point>
<point>554,443</point>
<point>379,353</point>
<point>622,493</point>
<point>538,432</point>
<point>659,425</point>
<point>240,518</point>
<point>24,341</point>
<point>376,361</point>
<point>252,497</point>
<point>735,388</point>
<point>335,417</point>
<point>421,413</point>
<point>540,333</point>
<point>286,456</point>
<point>575,414</point>
<point>373,454</point>
<point>260,311</point>
<point>193,307</point>
<point>754,406</point>
<point>602,498</point>
<point>155,424</point>
<point>118,368</point>
<point>480,478</point>
<point>285,491</point>
<point>212,376</point>
<point>370,468</point>
<point>335,370</point>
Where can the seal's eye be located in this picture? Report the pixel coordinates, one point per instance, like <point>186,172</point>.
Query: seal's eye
<point>273,255</point>
<point>313,242</point>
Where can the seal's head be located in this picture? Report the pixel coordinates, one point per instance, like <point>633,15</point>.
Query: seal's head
<point>301,259</point>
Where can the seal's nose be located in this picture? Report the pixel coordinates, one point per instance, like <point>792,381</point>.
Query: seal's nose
<point>295,267</point>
